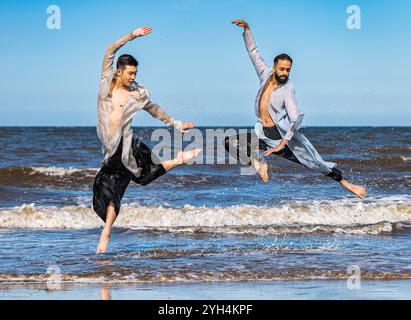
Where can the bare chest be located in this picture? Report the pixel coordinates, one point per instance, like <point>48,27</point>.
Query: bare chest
<point>119,99</point>
<point>264,103</point>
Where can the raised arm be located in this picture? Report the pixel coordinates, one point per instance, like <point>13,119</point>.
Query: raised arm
<point>107,67</point>
<point>252,49</point>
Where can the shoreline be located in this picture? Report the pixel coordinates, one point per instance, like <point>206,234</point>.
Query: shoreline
<point>241,290</point>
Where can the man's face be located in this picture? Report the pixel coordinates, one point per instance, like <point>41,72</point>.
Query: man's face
<point>282,70</point>
<point>127,76</point>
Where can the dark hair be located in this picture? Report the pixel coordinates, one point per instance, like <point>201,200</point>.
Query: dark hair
<point>283,56</point>
<point>126,60</point>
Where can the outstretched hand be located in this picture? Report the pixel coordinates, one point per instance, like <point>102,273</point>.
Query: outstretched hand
<point>240,23</point>
<point>272,150</point>
<point>185,126</point>
<point>142,31</point>
<point>277,148</point>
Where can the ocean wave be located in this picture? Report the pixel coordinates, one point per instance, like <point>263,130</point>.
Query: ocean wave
<point>58,171</point>
<point>82,178</point>
<point>344,217</point>
<point>192,276</point>
<point>393,149</point>
<point>69,178</point>
<point>47,171</point>
<point>17,174</point>
<point>163,253</point>
<point>398,160</point>
<point>50,177</point>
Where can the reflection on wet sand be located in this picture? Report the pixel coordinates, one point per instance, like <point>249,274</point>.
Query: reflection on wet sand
<point>105,293</point>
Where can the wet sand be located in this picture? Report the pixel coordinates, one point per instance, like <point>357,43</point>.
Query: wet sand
<point>252,290</point>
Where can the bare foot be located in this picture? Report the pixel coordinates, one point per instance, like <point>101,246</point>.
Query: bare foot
<point>103,243</point>
<point>186,156</point>
<point>263,172</point>
<point>261,168</point>
<point>359,191</point>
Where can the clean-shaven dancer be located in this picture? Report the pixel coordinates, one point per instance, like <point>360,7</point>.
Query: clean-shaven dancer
<point>126,157</point>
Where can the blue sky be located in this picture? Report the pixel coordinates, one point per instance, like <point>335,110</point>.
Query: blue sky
<point>195,64</point>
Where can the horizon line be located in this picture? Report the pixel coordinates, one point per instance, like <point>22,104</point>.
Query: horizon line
<point>212,126</point>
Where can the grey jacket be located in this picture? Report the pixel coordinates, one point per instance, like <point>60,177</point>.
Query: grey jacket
<point>134,104</point>
<point>283,110</point>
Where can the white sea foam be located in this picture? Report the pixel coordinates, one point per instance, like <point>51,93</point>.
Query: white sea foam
<point>329,217</point>
<point>193,277</point>
<point>58,171</point>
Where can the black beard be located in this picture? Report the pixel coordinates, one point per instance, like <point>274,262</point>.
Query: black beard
<point>280,80</point>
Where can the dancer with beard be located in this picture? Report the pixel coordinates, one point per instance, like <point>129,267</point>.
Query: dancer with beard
<point>279,120</point>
